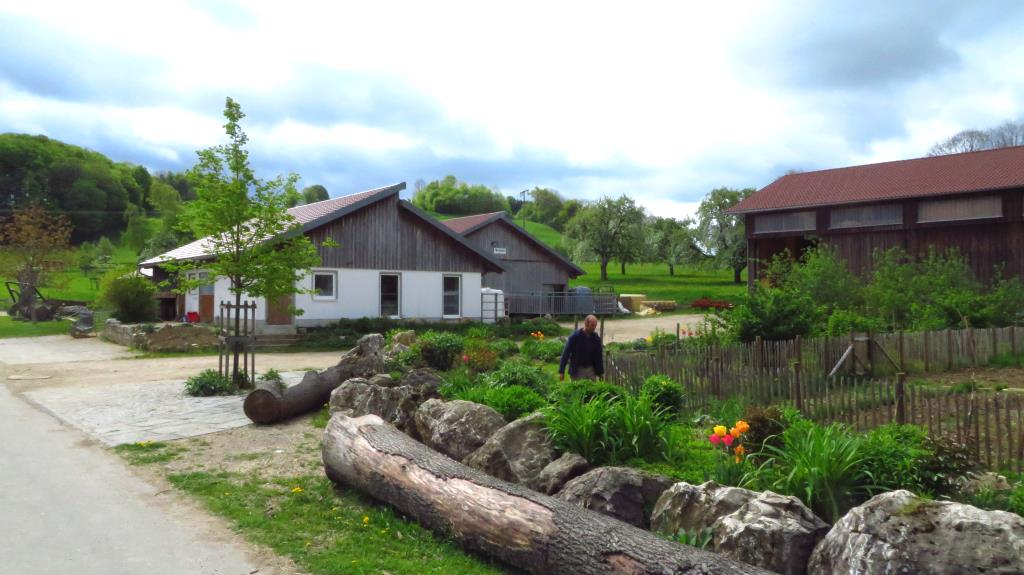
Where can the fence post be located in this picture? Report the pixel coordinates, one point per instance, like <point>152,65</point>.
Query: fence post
<point>925,335</point>
<point>949,349</point>
<point>797,392</point>
<point>901,399</point>
<point>899,348</point>
<point>995,342</point>
<point>759,350</point>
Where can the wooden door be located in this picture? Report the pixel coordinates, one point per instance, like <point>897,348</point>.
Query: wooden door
<point>205,300</point>
<point>278,312</point>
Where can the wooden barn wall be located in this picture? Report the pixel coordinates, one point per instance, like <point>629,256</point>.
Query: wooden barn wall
<point>386,237</point>
<point>987,244</point>
<point>529,267</point>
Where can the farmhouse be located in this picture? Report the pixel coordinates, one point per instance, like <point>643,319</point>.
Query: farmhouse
<point>390,260</point>
<point>971,201</point>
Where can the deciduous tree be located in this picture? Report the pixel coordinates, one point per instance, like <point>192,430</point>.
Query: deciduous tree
<point>721,234</point>
<point>315,193</point>
<point>33,240</point>
<point>601,227</point>
<point>245,223</point>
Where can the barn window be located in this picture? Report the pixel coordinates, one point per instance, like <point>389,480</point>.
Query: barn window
<point>864,216</point>
<point>956,209</point>
<point>390,295</point>
<point>787,222</point>
<point>324,286</point>
<point>452,297</point>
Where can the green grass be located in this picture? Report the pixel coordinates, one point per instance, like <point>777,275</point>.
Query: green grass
<point>654,281</point>
<point>328,530</point>
<point>146,452</point>
<point>11,328</point>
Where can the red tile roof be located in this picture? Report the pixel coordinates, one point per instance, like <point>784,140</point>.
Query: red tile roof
<point>460,225</point>
<point>933,176</point>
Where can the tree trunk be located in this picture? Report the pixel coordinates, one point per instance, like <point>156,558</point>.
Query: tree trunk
<point>604,269</point>
<point>521,527</point>
<point>622,268</point>
<point>671,270</point>
<point>237,348</point>
<point>269,403</point>
<point>736,279</point>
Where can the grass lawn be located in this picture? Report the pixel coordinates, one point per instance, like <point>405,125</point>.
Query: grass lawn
<point>653,279</point>
<point>11,328</point>
<point>326,529</point>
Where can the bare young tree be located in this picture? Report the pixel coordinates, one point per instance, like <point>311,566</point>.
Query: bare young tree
<point>1005,135</point>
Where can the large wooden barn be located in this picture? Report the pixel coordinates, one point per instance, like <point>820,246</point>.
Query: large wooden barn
<point>972,201</point>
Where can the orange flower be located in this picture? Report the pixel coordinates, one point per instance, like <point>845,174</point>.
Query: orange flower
<point>740,450</point>
<point>735,432</point>
<point>743,426</point>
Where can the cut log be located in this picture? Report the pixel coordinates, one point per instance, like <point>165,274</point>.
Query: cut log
<point>516,525</point>
<point>270,403</point>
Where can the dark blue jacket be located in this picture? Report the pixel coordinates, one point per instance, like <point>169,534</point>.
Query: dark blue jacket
<point>582,350</point>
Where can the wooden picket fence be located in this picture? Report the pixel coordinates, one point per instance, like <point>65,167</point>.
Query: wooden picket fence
<point>797,373</point>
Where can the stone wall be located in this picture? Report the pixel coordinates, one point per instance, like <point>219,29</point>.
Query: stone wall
<point>126,334</point>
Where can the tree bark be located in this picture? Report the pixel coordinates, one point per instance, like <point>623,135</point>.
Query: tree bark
<point>622,268</point>
<point>671,270</point>
<point>604,269</point>
<point>269,403</point>
<point>736,272</point>
<point>521,527</point>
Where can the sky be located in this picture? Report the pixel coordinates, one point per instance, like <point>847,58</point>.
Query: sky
<point>663,101</point>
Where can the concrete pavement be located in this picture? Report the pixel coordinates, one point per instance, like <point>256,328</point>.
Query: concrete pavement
<point>67,506</point>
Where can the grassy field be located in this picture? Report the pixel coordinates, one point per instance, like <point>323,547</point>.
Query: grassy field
<point>11,328</point>
<point>653,279</point>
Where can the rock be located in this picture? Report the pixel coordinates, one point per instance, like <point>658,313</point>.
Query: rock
<point>383,380</point>
<point>621,492</point>
<point>773,531</point>
<point>695,507</point>
<point>363,360</point>
<point>395,405</point>
<point>404,338</point>
<point>180,338</point>
<point>456,428</point>
<point>425,380</point>
<point>986,481</point>
<point>558,472</point>
<point>898,532</point>
<point>517,452</point>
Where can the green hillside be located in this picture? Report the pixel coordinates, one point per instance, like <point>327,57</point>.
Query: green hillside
<point>543,232</point>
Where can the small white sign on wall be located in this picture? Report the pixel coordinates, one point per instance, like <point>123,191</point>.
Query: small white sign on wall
<point>500,251</point>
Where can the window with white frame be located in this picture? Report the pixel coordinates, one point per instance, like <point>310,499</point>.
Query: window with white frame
<point>785,222</point>
<point>452,296</point>
<point>955,209</point>
<point>865,216</point>
<point>325,285</point>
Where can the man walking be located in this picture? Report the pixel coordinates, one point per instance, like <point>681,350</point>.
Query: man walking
<point>584,353</point>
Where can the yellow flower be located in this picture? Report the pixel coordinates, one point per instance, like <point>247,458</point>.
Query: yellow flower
<point>296,490</point>
<point>366,520</point>
<point>720,430</point>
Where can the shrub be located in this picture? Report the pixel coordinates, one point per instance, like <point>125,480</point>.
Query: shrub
<point>479,356</point>
<point>545,350</point>
<point>772,314</point>
<point>130,296</point>
<point>822,466</point>
<point>455,382</point>
<point>581,427</point>
<point>949,460</point>
<point>438,349</point>
<point>635,428</point>
<point>504,347</point>
<point>585,390</point>
<point>766,427</point>
<point>519,330</point>
<point>607,430</point>
<point>511,402</point>
<point>894,457</point>
<point>841,322</point>
<point>518,372</point>
<point>667,393</point>
<point>207,383</point>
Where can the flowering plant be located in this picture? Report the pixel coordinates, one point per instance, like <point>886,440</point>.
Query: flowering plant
<point>538,335</point>
<point>730,441</point>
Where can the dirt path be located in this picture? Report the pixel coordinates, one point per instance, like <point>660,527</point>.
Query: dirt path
<point>626,330</point>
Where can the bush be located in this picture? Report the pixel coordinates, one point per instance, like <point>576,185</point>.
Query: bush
<point>949,460</point>
<point>842,322</point>
<point>438,350</point>
<point>480,356</point>
<point>504,347</point>
<point>607,430</point>
<point>772,314</point>
<point>545,350</point>
<point>582,427</point>
<point>130,296</point>
<point>519,330</point>
<point>894,457</point>
<point>455,382</point>
<point>667,393</point>
<point>585,390</point>
<point>207,383</point>
<point>766,427</point>
<point>518,372</point>
<point>511,402</point>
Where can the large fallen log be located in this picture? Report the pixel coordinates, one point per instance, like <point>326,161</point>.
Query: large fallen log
<point>519,526</point>
<point>270,403</point>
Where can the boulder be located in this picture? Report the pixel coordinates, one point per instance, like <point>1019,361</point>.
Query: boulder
<point>985,481</point>
<point>405,338</point>
<point>695,507</point>
<point>517,452</point>
<point>395,405</point>
<point>383,380</point>
<point>621,492</point>
<point>456,428</point>
<point>558,472</point>
<point>363,360</point>
<point>424,380</point>
<point>773,531</point>
<point>898,532</point>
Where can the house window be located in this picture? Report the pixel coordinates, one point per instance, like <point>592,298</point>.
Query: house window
<point>956,209</point>
<point>864,216</point>
<point>787,222</point>
<point>390,295</point>
<point>452,298</point>
<point>325,285</point>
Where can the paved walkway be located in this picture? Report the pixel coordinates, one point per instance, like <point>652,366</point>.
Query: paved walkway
<point>631,329</point>
<point>58,349</point>
<point>68,507</point>
<point>130,412</point>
